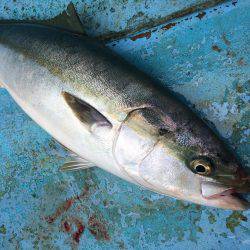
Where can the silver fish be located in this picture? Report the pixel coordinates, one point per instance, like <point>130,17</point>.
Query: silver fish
<point>112,116</point>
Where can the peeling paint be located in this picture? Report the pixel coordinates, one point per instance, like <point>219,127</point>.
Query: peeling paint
<point>201,15</point>
<point>216,48</point>
<point>168,26</point>
<point>142,35</point>
<point>3,229</point>
<point>234,220</point>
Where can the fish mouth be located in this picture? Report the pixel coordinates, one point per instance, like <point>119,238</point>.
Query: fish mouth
<point>225,197</point>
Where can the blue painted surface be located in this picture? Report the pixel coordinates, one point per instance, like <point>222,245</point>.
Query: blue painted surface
<point>98,16</point>
<point>206,60</point>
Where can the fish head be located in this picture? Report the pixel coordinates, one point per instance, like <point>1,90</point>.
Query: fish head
<point>180,156</point>
<point>190,175</point>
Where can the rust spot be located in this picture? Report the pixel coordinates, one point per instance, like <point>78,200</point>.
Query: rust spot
<point>168,26</point>
<point>226,41</point>
<point>66,226</point>
<point>201,15</point>
<point>145,34</point>
<point>97,229</point>
<point>241,62</point>
<point>80,229</point>
<point>216,48</point>
<point>65,206</point>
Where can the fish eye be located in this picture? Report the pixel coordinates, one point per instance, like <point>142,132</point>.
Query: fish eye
<point>201,167</point>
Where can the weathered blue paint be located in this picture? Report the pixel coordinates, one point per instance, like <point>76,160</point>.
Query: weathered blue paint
<point>205,59</point>
<point>100,17</point>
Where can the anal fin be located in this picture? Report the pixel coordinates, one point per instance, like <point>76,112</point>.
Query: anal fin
<point>76,162</point>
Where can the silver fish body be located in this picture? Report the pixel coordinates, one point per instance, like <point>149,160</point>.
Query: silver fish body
<point>112,115</point>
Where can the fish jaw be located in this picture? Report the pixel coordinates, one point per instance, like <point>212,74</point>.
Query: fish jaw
<point>223,196</point>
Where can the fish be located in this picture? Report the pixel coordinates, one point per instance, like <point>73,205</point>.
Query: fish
<point>113,116</point>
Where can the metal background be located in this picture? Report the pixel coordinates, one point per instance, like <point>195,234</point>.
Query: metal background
<point>200,50</point>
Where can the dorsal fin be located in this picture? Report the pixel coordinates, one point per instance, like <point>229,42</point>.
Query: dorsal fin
<point>67,20</point>
<point>91,118</point>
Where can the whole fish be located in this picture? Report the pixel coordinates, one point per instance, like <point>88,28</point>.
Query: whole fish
<point>112,116</point>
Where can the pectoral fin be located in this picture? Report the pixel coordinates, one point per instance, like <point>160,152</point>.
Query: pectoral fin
<point>91,118</point>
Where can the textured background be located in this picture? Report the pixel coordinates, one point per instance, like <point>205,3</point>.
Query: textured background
<point>200,50</point>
